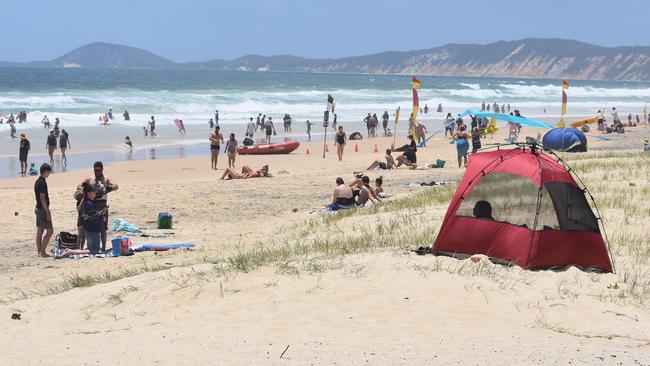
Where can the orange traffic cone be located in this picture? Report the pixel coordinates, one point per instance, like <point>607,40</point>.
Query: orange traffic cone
<point>375,150</point>
<point>356,148</point>
<point>307,153</point>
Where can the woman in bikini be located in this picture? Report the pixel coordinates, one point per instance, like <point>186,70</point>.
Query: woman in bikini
<point>246,173</point>
<point>231,149</point>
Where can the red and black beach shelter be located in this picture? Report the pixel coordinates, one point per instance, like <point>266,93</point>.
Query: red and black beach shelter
<point>521,206</point>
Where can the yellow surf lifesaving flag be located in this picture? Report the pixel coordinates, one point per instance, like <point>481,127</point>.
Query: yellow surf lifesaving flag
<point>415,84</point>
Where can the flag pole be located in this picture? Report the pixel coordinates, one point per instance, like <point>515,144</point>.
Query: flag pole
<point>395,129</point>
<point>325,125</point>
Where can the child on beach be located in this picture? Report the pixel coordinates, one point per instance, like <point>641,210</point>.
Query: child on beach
<point>92,218</point>
<point>32,170</point>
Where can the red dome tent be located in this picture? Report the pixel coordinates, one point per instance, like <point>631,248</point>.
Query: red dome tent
<point>521,206</point>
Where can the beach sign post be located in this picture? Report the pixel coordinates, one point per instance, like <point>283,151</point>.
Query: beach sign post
<point>326,119</point>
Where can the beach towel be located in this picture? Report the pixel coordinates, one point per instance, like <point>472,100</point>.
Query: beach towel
<point>119,224</point>
<point>162,247</point>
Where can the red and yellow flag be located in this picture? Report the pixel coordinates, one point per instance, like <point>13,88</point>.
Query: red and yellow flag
<point>565,84</point>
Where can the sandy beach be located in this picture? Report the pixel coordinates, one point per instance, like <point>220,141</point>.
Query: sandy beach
<point>274,281</point>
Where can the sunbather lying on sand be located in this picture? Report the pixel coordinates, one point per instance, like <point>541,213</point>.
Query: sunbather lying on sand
<point>70,252</point>
<point>246,173</point>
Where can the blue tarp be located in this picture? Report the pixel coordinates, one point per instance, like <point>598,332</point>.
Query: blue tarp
<point>505,117</point>
<point>565,139</point>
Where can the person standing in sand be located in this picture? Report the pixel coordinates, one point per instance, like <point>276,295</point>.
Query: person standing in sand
<point>64,144</point>
<point>215,139</point>
<point>340,139</point>
<point>216,118</point>
<point>42,211</point>
<point>420,133</point>
<point>462,145</point>
<point>50,145</point>
<point>103,185</point>
<point>231,150</point>
<point>23,151</point>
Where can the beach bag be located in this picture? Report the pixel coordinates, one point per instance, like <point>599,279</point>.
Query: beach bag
<point>65,240</point>
<point>165,220</point>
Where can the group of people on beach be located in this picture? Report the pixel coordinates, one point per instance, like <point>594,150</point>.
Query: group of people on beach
<point>356,194</point>
<point>496,108</point>
<point>91,196</point>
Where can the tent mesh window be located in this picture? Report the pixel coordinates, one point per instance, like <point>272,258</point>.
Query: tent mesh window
<point>513,199</point>
<point>573,210</point>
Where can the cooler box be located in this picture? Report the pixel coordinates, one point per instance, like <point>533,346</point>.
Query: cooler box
<point>165,220</point>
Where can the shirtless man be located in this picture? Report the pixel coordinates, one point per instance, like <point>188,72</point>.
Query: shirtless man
<point>420,133</point>
<point>389,164</point>
<point>342,196</point>
<point>216,138</point>
<point>103,185</point>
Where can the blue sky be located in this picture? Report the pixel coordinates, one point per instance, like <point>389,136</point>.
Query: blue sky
<point>199,30</point>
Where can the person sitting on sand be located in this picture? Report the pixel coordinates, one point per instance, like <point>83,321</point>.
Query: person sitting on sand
<point>342,197</point>
<point>246,173</point>
<point>32,170</point>
<point>409,156</point>
<point>366,193</point>
<point>379,187</point>
<point>389,164</point>
<point>646,146</point>
<point>483,210</point>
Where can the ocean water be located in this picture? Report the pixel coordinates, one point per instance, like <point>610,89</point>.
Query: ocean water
<point>79,96</point>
